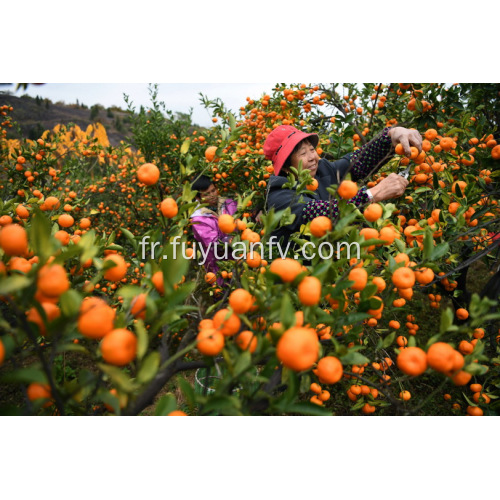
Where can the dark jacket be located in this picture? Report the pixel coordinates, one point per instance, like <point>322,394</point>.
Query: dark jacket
<point>328,173</point>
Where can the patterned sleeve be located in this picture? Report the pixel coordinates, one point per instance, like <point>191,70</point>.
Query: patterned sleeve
<point>370,156</point>
<point>316,208</point>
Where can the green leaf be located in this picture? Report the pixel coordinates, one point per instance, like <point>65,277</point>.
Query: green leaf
<point>309,409</point>
<point>118,376</point>
<point>354,358</point>
<point>130,237</point>
<point>185,146</point>
<point>187,391</point>
<point>13,284</point>
<point>165,405</point>
<point>149,367</point>
<point>446,320</point>
<point>243,362</point>
<point>70,303</point>
<point>287,311</point>
<point>40,235</point>
<point>428,244</point>
<point>142,339</point>
<point>24,376</point>
<point>439,251</point>
<point>388,340</point>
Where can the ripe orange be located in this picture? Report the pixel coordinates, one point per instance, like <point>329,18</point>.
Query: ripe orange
<point>405,395</point>
<point>347,190</point>
<point>51,203</point>
<point>210,153</point>
<point>65,220</point>
<point>246,340</point>
<point>474,411</point>
<point>360,278</point>
<point>177,413</point>
<point>84,223</point>
<point>431,134</point>
<point>119,347</point>
<point>226,223</point>
<point>462,313</point>
<point>241,300</point>
<point>313,186</point>
<point>2,352</point>
<point>52,280</point>
<point>157,280</point>
<point>476,387</point>
<point>96,318</point>
<point>210,278</point>
<point>39,391</point>
<point>381,284</point>
<point>495,152</point>
<point>403,277</point>
<point>226,322</point>
<point>51,311</point>
<point>298,348</point>
<point>138,306</point>
<point>287,269</point>
<point>461,184</point>
<point>461,378</point>
<point>210,341</point>
<point>412,361</point>
<point>329,370</point>
<point>117,272</point>
<point>148,174</point>
<point>424,275</point>
<point>314,387</point>
<point>441,357</point>
<point>14,239</point>
<point>309,291</point>
<point>320,226</point>
<point>373,212</point>
<point>169,208</point>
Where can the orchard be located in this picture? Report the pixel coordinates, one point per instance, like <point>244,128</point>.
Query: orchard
<point>92,323</point>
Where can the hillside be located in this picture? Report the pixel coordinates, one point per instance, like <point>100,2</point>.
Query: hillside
<point>35,115</point>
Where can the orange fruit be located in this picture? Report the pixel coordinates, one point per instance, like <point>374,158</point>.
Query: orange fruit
<point>39,391</point>
<point>210,278</point>
<point>360,278</point>
<point>226,322</point>
<point>461,378</point>
<point>298,348</point>
<point>347,190</point>
<point>148,174</point>
<point>246,341</point>
<point>329,370</point>
<point>157,280</point>
<point>52,280</point>
<point>313,186</point>
<point>403,277</point>
<point>210,341</point>
<point>462,313</point>
<point>210,153</point>
<point>430,134</point>
<point>320,226</point>
<point>14,239</point>
<point>119,347</point>
<point>117,272</point>
<point>51,311</point>
<point>96,318</point>
<point>412,361</point>
<point>84,223</point>
<point>287,269</point>
<point>226,223</point>
<point>2,352</point>
<point>441,357</point>
<point>474,411</point>
<point>373,212</point>
<point>169,208</point>
<point>405,395</point>
<point>138,306</point>
<point>424,275</point>
<point>461,184</point>
<point>495,152</point>
<point>65,220</point>
<point>241,301</point>
<point>381,284</point>
<point>177,413</point>
<point>314,387</point>
<point>51,203</point>
<point>309,291</point>
<point>476,387</point>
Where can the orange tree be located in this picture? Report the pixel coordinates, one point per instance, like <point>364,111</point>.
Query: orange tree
<point>92,322</point>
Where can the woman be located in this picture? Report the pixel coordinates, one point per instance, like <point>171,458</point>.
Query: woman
<point>286,147</point>
<point>205,220</point>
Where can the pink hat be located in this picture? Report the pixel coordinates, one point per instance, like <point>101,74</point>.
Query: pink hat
<point>281,142</point>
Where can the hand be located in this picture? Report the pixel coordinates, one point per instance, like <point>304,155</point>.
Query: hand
<point>406,137</point>
<point>393,186</point>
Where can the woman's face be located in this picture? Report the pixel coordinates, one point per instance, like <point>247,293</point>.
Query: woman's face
<point>210,195</point>
<point>307,153</point>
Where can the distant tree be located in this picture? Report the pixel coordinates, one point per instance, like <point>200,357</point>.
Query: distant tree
<point>36,131</point>
<point>38,100</point>
<point>110,114</point>
<point>47,103</point>
<point>94,112</point>
<point>119,124</point>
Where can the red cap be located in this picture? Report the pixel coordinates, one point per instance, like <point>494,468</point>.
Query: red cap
<point>281,142</point>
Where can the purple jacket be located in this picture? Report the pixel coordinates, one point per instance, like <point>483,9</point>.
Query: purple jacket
<point>206,231</point>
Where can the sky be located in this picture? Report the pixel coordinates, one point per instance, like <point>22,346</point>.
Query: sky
<point>176,96</point>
